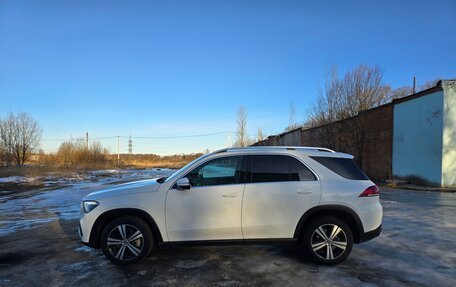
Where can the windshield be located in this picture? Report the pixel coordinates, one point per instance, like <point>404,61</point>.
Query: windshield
<point>175,175</point>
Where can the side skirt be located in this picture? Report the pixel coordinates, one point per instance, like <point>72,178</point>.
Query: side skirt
<point>271,241</point>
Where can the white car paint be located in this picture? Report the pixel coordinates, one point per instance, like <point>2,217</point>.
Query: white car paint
<point>272,210</point>
<point>204,213</point>
<point>238,211</point>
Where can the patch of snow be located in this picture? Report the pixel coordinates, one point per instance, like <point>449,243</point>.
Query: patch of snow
<point>11,226</point>
<point>104,171</point>
<point>390,201</point>
<point>227,283</point>
<point>75,267</point>
<point>17,179</point>
<point>84,249</point>
<point>190,264</point>
<point>142,272</point>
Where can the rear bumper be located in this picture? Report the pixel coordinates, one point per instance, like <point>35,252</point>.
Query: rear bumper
<point>370,235</point>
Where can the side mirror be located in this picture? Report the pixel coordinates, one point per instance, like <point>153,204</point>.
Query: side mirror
<point>183,183</point>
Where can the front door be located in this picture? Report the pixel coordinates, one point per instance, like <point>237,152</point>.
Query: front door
<point>211,208</point>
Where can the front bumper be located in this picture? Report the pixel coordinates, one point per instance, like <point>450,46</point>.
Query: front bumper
<point>370,235</point>
<point>80,231</point>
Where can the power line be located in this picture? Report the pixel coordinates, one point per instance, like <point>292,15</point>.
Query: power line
<point>140,137</point>
<point>185,136</point>
<point>77,139</point>
<point>130,138</point>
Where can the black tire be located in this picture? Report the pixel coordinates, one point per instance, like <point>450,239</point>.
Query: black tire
<point>135,250</point>
<point>329,250</point>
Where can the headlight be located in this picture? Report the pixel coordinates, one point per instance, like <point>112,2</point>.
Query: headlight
<point>89,205</point>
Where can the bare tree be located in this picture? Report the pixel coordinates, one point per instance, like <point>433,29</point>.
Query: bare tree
<point>429,84</point>
<point>292,118</point>
<point>79,153</point>
<point>408,90</point>
<point>363,89</point>
<point>328,109</point>
<point>260,136</point>
<point>401,92</point>
<point>341,98</point>
<point>20,136</point>
<point>6,152</point>
<point>241,132</point>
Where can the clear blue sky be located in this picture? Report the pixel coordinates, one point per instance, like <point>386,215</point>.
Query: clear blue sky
<point>164,68</point>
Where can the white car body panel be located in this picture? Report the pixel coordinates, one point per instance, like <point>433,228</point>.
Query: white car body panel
<point>238,211</point>
<point>143,195</point>
<point>346,193</point>
<point>204,213</point>
<point>273,210</point>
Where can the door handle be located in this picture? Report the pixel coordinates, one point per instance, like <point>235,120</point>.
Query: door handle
<point>230,195</point>
<point>304,192</point>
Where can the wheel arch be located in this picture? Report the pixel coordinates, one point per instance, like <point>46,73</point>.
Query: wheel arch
<point>343,212</point>
<point>110,215</point>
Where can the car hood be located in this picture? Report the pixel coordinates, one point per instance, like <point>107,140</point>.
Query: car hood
<point>148,185</point>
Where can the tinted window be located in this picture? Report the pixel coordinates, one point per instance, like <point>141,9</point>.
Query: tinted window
<point>299,171</point>
<point>272,168</point>
<point>224,170</point>
<point>344,167</point>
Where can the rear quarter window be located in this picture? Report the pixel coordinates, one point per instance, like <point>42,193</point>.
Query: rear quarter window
<point>344,167</point>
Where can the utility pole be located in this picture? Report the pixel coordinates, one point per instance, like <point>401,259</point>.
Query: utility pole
<point>87,140</point>
<point>118,150</point>
<point>130,145</point>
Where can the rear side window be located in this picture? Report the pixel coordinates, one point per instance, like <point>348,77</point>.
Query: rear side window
<point>298,171</point>
<point>344,167</point>
<point>273,168</point>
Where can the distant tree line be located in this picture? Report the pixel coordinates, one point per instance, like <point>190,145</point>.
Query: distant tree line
<point>150,157</point>
<point>20,137</point>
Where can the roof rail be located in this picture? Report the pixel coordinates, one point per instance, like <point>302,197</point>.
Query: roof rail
<point>275,148</point>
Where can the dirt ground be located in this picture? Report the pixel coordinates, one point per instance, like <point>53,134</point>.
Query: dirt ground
<point>39,247</point>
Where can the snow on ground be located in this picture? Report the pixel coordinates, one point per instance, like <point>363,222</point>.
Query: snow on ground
<point>105,171</point>
<point>24,210</point>
<point>17,179</point>
<point>39,247</point>
<point>54,179</point>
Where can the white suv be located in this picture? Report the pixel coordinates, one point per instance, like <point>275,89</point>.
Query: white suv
<point>314,198</point>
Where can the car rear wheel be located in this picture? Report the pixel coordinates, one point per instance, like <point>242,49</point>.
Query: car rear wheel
<point>127,240</point>
<point>327,240</point>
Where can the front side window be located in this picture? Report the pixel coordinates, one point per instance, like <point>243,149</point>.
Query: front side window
<point>273,168</point>
<point>225,170</point>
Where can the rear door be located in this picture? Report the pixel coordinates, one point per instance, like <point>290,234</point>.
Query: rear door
<point>281,189</point>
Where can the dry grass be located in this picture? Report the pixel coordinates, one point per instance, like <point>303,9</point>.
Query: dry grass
<point>42,166</point>
<point>76,156</point>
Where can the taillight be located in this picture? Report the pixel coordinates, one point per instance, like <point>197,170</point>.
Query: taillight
<point>370,191</point>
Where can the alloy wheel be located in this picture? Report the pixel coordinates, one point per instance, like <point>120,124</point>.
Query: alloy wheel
<point>125,242</point>
<point>329,241</point>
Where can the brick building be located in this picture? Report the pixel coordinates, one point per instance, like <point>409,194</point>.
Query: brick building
<point>413,137</point>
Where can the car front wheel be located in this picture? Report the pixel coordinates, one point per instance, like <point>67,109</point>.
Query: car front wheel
<point>327,240</point>
<point>127,240</point>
